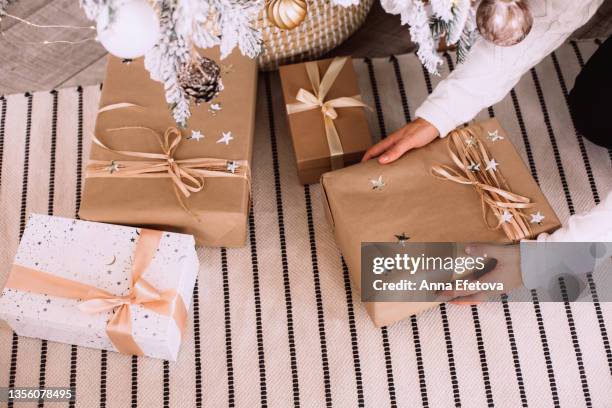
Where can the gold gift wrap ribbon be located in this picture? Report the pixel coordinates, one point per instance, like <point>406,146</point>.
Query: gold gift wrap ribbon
<point>94,300</point>
<point>466,150</point>
<point>315,99</point>
<point>187,175</point>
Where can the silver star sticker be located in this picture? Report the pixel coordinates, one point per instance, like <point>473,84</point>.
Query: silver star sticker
<point>474,167</point>
<point>227,136</point>
<point>196,135</point>
<point>377,184</point>
<point>506,216</point>
<point>470,141</point>
<point>495,136</point>
<point>232,167</point>
<point>113,167</point>
<point>402,238</point>
<point>537,218</point>
<point>214,108</point>
<point>492,165</point>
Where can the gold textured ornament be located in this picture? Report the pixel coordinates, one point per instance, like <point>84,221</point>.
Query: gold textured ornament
<point>504,22</point>
<point>286,14</point>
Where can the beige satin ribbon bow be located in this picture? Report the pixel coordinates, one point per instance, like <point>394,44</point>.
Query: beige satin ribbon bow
<point>315,99</point>
<point>95,300</point>
<point>468,152</point>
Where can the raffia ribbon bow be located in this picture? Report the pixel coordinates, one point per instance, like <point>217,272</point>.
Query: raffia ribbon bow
<point>95,300</point>
<point>187,174</point>
<point>468,152</point>
<point>315,99</point>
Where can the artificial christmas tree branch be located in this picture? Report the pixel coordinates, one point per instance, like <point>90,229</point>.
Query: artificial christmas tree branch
<point>453,21</point>
<point>175,28</point>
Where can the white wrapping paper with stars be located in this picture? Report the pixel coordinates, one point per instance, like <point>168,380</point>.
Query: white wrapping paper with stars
<point>103,286</point>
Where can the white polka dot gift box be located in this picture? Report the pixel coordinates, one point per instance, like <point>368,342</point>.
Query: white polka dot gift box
<point>103,286</point>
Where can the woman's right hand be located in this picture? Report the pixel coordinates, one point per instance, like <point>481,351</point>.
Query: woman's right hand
<point>415,134</point>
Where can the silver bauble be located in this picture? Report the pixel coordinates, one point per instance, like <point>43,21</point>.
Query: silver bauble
<point>504,22</point>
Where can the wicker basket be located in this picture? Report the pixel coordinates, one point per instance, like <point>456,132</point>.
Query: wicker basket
<point>325,27</point>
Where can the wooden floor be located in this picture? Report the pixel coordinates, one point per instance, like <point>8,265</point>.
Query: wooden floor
<point>29,65</point>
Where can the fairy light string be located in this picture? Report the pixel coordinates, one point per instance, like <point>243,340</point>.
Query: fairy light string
<point>22,20</point>
<point>4,14</point>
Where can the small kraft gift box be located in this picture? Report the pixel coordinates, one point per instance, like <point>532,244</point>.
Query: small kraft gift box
<point>145,170</point>
<point>103,286</point>
<point>326,116</point>
<point>471,186</point>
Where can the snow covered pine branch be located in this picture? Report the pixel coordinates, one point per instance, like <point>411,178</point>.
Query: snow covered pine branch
<point>453,20</point>
<point>180,26</point>
<point>167,32</point>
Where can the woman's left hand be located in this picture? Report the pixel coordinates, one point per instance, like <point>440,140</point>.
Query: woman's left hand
<point>417,133</point>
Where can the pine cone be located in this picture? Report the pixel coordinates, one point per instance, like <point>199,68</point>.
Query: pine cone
<point>201,79</point>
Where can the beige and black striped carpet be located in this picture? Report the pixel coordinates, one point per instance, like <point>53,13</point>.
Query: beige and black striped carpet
<point>275,323</point>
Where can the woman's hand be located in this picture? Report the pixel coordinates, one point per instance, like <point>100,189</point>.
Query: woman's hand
<point>506,270</point>
<point>415,134</point>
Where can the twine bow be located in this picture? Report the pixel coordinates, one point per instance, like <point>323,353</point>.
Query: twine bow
<point>95,300</point>
<point>315,99</point>
<point>471,157</point>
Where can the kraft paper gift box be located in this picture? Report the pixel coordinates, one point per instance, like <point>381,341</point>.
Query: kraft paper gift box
<point>370,202</point>
<point>103,286</point>
<point>216,215</point>
<point>316,151</point>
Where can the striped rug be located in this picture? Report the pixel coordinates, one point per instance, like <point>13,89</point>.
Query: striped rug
<point>276,323</point>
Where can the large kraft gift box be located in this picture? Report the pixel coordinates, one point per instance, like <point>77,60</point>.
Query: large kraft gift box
<point>216,215</point>
<point>102,286</point>
<point>370,202</point>
<point>311,144</point>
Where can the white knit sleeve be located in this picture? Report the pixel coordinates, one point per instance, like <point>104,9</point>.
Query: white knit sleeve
<point>490,71</point>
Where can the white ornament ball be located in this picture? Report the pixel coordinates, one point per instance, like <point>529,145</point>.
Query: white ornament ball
<point>132,31</point>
